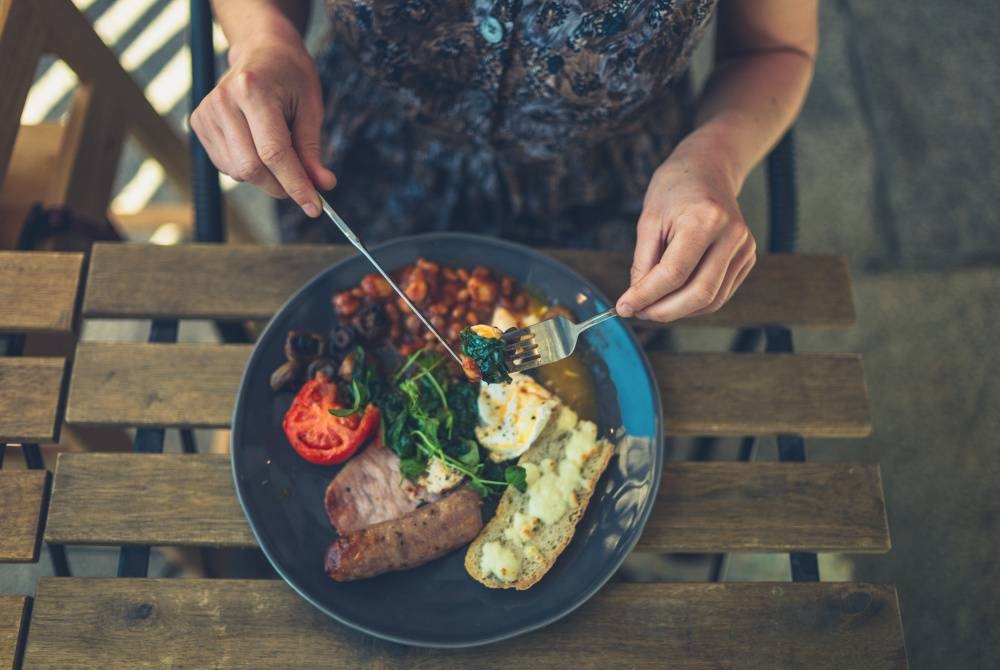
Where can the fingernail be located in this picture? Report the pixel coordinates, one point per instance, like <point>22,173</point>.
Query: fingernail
<point>310,209</point>
<point>642,315</point>
<point>625,310</point>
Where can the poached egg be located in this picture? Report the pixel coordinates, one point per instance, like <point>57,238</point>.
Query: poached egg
<point>512,416</point>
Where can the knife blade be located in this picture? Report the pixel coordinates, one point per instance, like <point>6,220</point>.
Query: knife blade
<point>356,241</point>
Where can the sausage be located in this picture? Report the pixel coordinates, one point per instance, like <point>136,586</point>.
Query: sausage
<point>427,533</point>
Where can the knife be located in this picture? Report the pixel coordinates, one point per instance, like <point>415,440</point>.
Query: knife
<point>353,239</point>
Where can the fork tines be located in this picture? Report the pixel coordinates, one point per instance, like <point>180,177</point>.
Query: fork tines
<point>521,350</point>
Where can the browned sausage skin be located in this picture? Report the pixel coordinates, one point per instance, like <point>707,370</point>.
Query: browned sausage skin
<point>428,533</point>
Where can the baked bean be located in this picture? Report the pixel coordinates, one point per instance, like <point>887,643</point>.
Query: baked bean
<point>506,286</point>
<point>449,274</point>
<point>462,295</point>
<point>415,286</point>
<point>375,286</point>
<point>438,308</point>
<point>346,304</point>
<point>391,312</point>
<point>438,322</point>
<point>521,302</point>
<point>463,274</point>
<point>471,318</point>
<point>413,323</point>
<point>481,272</point>
<point>482,289</point>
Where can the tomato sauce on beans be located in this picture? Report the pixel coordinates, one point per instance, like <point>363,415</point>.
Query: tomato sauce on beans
<point>450,298</point>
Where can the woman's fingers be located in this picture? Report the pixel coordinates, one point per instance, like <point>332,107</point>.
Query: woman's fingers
<point>700,290</point>
<point>211,138</point>
<point>740,267</point>
<point>648,245</point>
<point>672,271</point>
<point>305,138</point>
<point>245,165</point>
<point>273,141</point>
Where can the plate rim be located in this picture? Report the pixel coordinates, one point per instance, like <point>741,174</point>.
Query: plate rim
<point>582,597</point>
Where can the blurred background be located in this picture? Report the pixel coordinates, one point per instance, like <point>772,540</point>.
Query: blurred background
<point>896,163</point>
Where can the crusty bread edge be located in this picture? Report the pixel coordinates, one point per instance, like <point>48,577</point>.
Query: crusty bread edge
<point>472,565</point>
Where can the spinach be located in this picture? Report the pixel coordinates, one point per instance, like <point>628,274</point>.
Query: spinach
<point>427,414</point>
<point>487,354</point>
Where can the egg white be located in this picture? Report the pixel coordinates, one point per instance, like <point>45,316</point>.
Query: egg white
<point>512,416</point>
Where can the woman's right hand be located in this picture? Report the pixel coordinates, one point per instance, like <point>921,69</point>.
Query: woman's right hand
<point>261,123</point>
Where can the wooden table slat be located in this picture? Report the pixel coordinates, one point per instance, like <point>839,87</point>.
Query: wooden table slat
<point>22,508</point>
<point>813,395</point>
<point>702,507</point>
<point>194,385</point>
<point>12,611</point>
<point>38,291</point>
<point>30,397</point>
<point>768,507</point>
<point>193,623</point>
<point>146,281</point>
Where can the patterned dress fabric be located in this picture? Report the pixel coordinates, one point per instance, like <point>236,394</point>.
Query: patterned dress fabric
<point>539,121</point>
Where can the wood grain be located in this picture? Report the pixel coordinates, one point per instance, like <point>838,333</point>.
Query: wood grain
<point>38,291</point>
<point>30,394</point>
<point>22,38</point>
<point>200,281</point>
<point>89,491</point>
<point>129,384</point>
<point>12,612</point>
<point>22,507</point>
<point>174,385</point>
<point>143,623</point>
<point>702,507</point>
<point>768,507</point>
<point>814,395</point>
<point>141,281</point>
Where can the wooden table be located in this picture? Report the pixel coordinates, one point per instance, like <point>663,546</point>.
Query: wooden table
<point>142,499</point>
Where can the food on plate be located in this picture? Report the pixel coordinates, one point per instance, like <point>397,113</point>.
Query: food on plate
<point>316,433</point>
<point>512,416</point>
<point>422,447</point>
<point>483,354</point>
<point>370,489</point>
<point>532,527</point>
<point>451,298</point>
<point>436,529</point>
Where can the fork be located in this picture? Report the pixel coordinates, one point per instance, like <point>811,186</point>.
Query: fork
<point>547,341</point>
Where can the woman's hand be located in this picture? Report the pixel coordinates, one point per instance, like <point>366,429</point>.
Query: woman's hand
<point>261,123</point>
<point>693,248</point>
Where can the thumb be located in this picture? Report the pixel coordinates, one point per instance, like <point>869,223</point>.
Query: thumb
<point>305,138</point>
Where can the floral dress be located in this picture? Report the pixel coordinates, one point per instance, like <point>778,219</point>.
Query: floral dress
<point>539,121</point>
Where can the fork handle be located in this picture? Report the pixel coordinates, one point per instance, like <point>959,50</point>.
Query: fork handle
<point>594,320</point>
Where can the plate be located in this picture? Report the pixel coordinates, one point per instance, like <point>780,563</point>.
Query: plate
<point>438,604</point>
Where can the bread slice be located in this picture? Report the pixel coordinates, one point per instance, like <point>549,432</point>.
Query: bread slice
<point>541,543</point>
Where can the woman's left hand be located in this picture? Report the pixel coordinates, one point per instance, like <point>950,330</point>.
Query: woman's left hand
<point>693,249</point>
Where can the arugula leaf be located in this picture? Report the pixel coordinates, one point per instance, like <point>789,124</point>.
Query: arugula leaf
<point>517,477</point>
<point>412,467</point>
<point>360,394</point>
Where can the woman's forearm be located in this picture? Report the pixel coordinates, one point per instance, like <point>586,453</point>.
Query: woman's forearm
<point>758,85</point>
<point>248,21</point>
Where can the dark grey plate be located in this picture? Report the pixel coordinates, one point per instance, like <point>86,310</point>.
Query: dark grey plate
<point>438,604</point>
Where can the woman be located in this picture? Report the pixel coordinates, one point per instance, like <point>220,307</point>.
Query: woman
<point>563,122</point>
